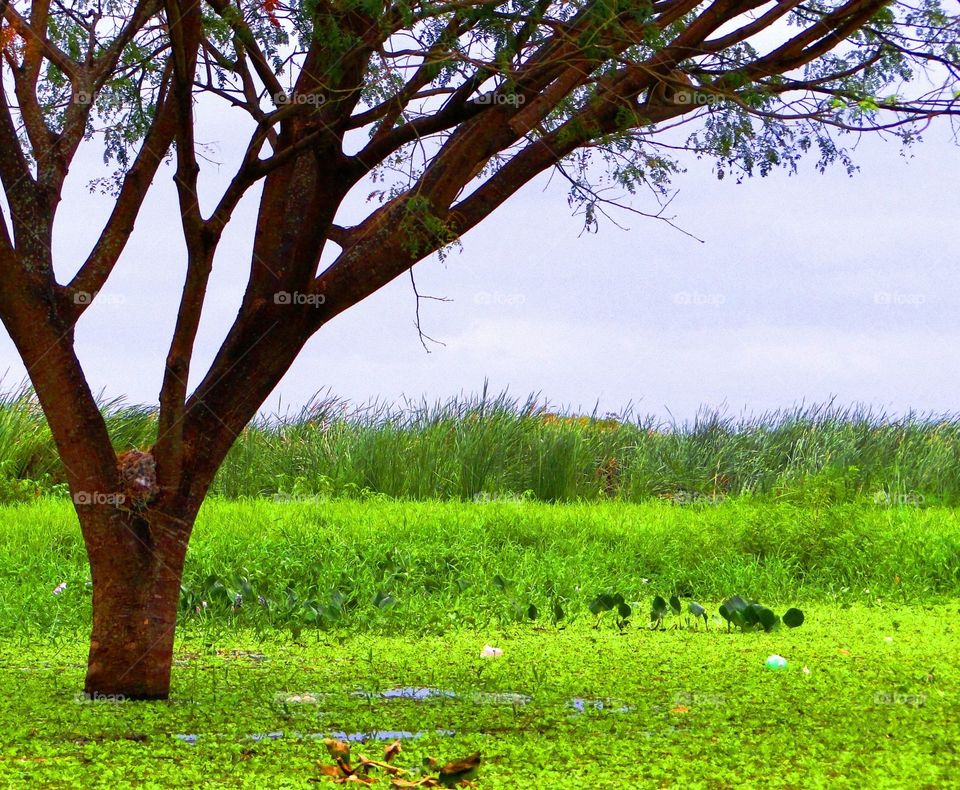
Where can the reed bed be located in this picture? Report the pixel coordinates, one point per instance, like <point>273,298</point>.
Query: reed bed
<point>497,446</point>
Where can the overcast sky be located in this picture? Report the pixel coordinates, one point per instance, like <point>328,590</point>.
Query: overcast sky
<point>806,287</point>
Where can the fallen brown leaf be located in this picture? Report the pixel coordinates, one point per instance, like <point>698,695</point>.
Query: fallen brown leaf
<point>366,763</point>
<point>337,749</point>
<point>391,751</point>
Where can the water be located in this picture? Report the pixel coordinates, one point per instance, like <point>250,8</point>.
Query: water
<point>350,737</point>
<point>583,704</point>
<point>418,693</point>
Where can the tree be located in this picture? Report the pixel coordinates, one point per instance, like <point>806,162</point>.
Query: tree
<point>450,106</point>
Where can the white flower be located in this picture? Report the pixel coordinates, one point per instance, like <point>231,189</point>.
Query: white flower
<point>59,588</point>
<point>490,652</point>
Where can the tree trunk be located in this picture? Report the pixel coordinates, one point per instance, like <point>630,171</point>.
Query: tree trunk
<point>136,560</point>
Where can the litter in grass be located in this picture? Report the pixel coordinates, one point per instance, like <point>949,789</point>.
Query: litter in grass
<point>776,662</point>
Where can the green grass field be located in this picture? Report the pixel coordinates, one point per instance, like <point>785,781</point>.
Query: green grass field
<point>365,620</point>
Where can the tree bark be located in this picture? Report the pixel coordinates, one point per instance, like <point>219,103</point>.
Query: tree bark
<point>136,560</point>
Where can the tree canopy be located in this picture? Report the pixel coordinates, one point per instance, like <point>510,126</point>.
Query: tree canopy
<point>448,108</point>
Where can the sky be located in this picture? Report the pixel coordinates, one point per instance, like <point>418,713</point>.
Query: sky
<point>805,287</point>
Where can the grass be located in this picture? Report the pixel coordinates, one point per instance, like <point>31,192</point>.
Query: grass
<point>387,566</point>
<point>680,708</point>
<point>343,600</point>
<point>497,446</point>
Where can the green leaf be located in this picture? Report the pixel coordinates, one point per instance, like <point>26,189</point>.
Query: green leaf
<point>768,619</point>
<point>793,618</point>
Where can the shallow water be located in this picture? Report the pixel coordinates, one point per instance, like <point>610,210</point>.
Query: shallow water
<point>406,692</point>
<point>583,704</point>
<point>351,737</point>
<point>423,693</point>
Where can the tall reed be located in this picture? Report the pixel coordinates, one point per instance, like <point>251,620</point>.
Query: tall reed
<point>493,446</point>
